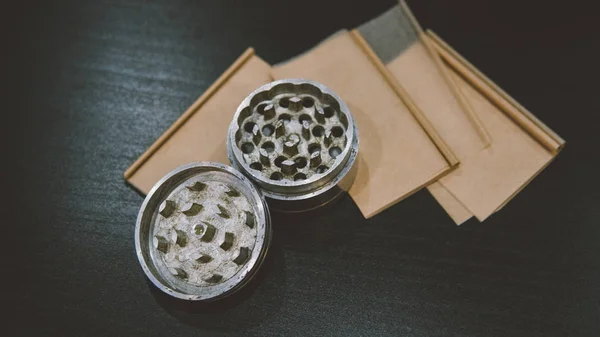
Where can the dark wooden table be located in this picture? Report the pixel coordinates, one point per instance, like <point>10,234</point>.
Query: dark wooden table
<point>91,84</point>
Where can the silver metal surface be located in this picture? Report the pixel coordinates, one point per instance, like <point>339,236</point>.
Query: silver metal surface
<point>297,140</point>
<point>202,232</point>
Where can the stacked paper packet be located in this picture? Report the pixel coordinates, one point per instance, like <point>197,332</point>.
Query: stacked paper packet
<point>426,117</point>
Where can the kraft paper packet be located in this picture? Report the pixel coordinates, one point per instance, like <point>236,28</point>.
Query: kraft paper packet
<point>396,155</point>
<point>522,146</point>
<point>200,133</point>
<point>498,156</point>
<point>395,40</point>
<point>173,150</point>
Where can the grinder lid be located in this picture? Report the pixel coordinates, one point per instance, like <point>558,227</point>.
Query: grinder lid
<point>202,232</point>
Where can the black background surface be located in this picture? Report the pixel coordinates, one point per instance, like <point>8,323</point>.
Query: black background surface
<point>91,84</point>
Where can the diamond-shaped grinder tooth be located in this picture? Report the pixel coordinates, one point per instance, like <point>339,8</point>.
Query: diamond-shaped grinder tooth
<point>191,209</point>
<point>295,104</point>
<point>179,272</point>
<point>167,208</point>
<point>243,256</point>
<point>233,192</point>
<point>315,159</point>
<point>196,187</point>
<point>269,112</point>
<point>306,130</point>
<point>227,241</point>
<point>215,278</point>
<point>327,138</point>
<point>256,135</point>
<point>249,219</point>
<point>204,258</point>
<point>180,238</point>
<point>288,167</point>
<point>290,146</point>
<point>264,157</point>
<point>319,115</point>
<point>223,212</point>
<point>279,128</point>
<point>161,244</point>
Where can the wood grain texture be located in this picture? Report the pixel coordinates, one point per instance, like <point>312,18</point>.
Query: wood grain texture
<point>93,83</point>
<point>189,112</point>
